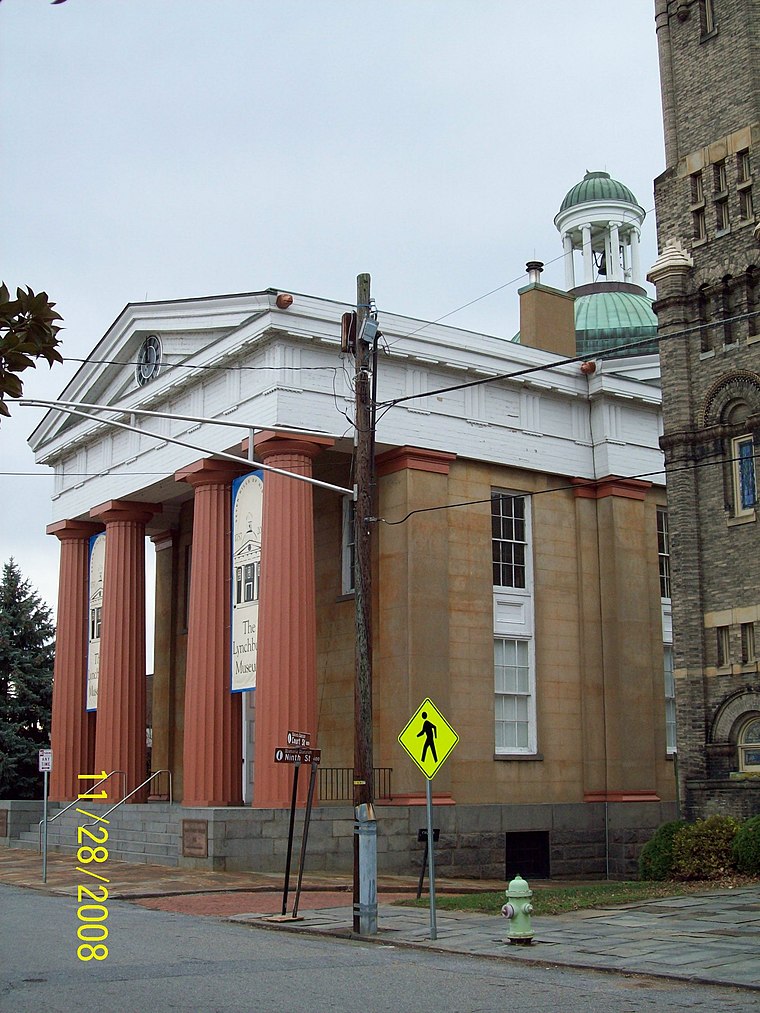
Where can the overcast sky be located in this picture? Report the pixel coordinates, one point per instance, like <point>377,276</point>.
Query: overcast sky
<point>157,149</point>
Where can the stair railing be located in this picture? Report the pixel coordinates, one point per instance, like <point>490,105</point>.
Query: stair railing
<point>78,801</point>
<point>134,792</point>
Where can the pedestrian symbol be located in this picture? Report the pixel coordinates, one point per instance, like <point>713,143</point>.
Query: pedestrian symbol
<point>428,738</point>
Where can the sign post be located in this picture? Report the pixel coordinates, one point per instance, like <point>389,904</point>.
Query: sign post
<point>45,760</point>
<point>297,751</point>
<point>428,738</point>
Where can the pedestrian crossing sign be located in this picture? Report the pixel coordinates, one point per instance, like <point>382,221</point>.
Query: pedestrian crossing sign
<point>428,738</point>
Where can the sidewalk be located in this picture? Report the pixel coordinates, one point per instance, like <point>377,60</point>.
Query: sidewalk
<point>708,937</point>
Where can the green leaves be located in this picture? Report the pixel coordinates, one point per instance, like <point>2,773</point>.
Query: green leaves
<point>28,331</point>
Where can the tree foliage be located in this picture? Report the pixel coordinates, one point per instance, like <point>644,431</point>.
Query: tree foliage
<point>26,683</point>
<point>28,331</point>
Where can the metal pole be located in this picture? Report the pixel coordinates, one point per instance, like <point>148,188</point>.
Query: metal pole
<point>290,838</point>
<point>44,826</point>
<point>363,468</point>
<point>304,839</point>
<point>431,859</point>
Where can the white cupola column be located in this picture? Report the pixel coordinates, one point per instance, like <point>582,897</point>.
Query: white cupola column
<point>588,256</point>
<point>635,259</point>
<point>567,243</point>
<point>613,267</point>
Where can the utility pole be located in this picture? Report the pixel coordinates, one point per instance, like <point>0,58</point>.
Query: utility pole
<point>365,826</point>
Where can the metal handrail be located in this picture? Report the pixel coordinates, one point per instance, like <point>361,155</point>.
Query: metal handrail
<point>77,801</point>
<point>134,792</point>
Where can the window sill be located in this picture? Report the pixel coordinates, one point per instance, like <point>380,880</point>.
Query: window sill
<point>709,354</point>
<point>749,518</point>
<point>535,757</point>
<point>709,35</point>
<point>752,339</point>
<point>346,597</point>
<point>698,242</point>
<point>724,670</point>
<point>744,222</point>
<point>723,232</point>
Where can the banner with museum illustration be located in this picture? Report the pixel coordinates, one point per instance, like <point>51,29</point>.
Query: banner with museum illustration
<point>247,504</point>
<point>97,567</point>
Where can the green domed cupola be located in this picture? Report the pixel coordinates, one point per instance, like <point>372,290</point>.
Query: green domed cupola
<point>597,186</point>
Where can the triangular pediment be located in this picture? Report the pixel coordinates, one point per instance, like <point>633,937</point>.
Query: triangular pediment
<point>150,353</point>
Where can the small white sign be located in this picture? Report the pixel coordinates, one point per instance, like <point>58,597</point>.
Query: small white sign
<point>46,759</point>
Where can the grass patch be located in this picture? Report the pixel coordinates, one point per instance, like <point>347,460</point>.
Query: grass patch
<point>555,900</point>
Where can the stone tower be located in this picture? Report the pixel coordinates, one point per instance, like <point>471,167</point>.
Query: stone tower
<point>708,297</point>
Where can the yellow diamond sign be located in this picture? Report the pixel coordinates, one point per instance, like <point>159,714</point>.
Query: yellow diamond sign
<point>428,738</point>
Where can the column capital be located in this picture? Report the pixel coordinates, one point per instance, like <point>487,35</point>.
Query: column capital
<point>125,510</point>
<point>266,443</point>
<point>414,459</point>
<point>211,471</point>
<point>64,530</point>
<point>623,488</point>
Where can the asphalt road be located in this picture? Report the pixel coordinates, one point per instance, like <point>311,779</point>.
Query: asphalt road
<point>160,961</point>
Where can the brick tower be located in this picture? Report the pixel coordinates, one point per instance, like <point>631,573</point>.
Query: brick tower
<point>708,297</point>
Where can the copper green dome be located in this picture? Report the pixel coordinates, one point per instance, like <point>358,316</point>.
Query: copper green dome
<point>597,186</point>
<point>606,320</point>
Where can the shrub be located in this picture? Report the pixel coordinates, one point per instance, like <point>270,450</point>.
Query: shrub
<point>704,850</point>
<point>747,847</point>
<point>656,858</point>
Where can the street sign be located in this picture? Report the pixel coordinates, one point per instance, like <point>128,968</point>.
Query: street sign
<point>428,738</point>
<point>45,757</point>
<point>300,755</point>
<point>299,739</point>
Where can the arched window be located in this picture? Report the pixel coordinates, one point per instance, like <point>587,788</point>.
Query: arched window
<point>742,448</point>
<point>749,746</point>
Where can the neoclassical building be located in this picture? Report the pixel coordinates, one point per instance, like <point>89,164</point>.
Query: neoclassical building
<point>518,569</point>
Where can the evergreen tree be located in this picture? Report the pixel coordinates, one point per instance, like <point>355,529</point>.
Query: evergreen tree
<point>26,683</point>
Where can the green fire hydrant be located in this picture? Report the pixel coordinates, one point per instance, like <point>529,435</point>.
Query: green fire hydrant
<point>519,909</point>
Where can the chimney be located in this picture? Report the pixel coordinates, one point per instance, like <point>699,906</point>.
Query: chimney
<point>547,316</point>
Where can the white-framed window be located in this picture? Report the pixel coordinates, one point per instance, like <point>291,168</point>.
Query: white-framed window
<point>670,700</point>
<point>515,707</point>
<point>744,476</point>
<point>749,746</point>
<point>514,647</point>
<point>348,548</point>
<point>663,552</point>
<point>509,540</point>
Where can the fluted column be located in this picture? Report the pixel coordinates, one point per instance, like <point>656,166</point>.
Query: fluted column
<point>120,729</point>
<point>213,746</point>
<point>286,687</point>
<point>73,729</point>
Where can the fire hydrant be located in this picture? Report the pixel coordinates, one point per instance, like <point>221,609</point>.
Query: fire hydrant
<point>519,909</point>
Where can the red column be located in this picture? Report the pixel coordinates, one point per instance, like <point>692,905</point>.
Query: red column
<point>120,727</point>
<point>73,729</point>
<point>286,684</point>
<point>213,747</point>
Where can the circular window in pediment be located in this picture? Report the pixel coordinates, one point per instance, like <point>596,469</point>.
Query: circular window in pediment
<point>148,360</point>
